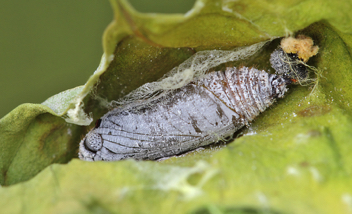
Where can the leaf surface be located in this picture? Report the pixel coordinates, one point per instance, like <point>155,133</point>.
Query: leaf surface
<point>294,158</point>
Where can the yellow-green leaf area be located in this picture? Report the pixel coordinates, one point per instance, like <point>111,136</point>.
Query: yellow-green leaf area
<point>294,158</point>
<point>214,23</point>
<point>31,139</point>
<point>61,102</point>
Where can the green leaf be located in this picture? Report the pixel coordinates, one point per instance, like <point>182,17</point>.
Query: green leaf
<point>213,23</point>
<point>31,139</point>
<point>294,158</point>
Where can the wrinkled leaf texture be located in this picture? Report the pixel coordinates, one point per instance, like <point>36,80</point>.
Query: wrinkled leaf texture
<point>293,159</point>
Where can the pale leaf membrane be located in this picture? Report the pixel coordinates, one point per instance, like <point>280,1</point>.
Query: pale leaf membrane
<point>60,102</point>
<point>77,114</point>
<point>175,178</point>
<point>191,69</point>
<point>69,104</point>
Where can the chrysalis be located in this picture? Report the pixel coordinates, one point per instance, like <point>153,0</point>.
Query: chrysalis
<point>200,113</point>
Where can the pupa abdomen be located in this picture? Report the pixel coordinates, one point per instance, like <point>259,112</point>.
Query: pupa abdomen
<point>197,114</point>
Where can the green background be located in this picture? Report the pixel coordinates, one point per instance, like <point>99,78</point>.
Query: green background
<point>49,46</point>
<point>299,160</point>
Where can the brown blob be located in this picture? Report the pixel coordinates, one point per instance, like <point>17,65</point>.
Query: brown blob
<point>302,46</point>
<point>314,111</point>
<point>314,133</point>
<point>304,164</point>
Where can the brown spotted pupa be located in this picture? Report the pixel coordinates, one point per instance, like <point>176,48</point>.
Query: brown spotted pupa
<point>200,113</point>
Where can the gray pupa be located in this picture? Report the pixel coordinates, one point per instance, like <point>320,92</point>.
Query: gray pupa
<point>200,113</point>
